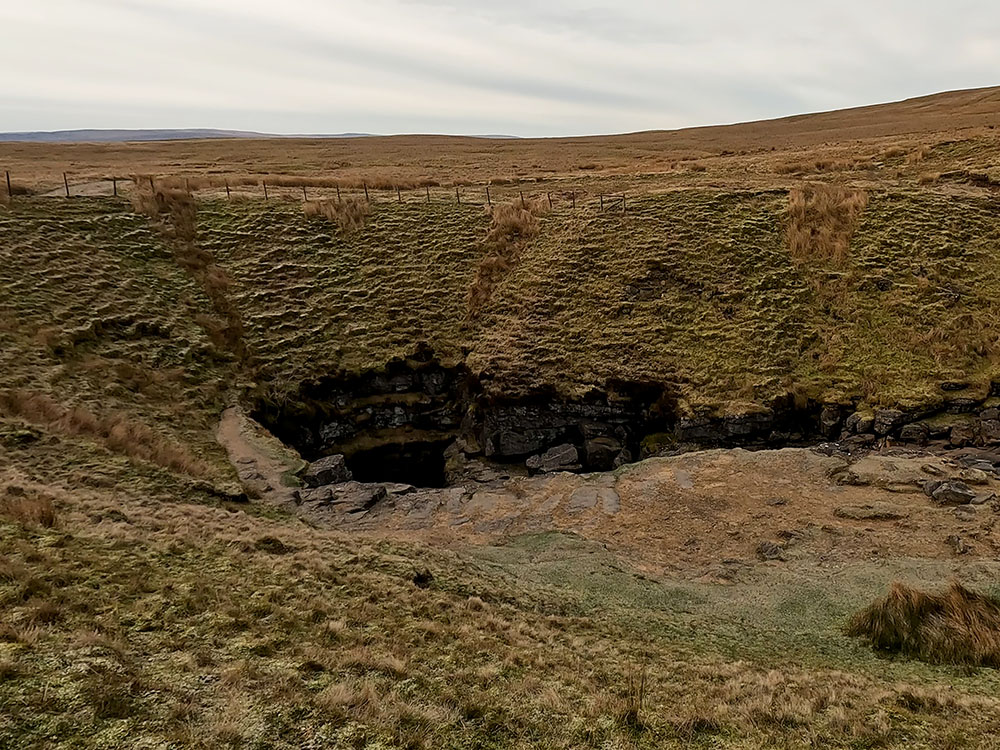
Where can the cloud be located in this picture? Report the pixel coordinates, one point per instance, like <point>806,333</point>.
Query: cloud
<point>521,67</point>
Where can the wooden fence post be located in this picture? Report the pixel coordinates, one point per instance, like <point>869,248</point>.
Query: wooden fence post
<point>338,192</point>
<point>66,183</point>
<point>228,196</point>
<point>458,197</point>
<point>550,200</point>
<point>522,198</point>
<point>304,196</point>
<point>114,186</point>
<point>488,201</point>
<point>427,189</point>
<point>602,201</point>
<point>366,192</point>
<point>264,183</point>
<point>9,194</point>
<point>399,196</point>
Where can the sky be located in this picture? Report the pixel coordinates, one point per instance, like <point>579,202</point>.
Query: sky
<point>517,67</point>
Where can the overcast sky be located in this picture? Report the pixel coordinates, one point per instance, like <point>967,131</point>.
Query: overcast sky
<point>520,67</point>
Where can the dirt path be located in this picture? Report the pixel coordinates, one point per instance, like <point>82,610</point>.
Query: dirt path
<point>262,462</point>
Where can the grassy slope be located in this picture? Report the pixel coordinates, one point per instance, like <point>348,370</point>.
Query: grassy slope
<point>692,287</point>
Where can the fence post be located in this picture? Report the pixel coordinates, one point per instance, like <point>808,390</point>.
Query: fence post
<point>602,201</point>
<point>366,192</point>
<point>151,185</point>
<point>187,186</point>
<point>623,202</point>
<point>264,183</point>
<point>572,196</point>
<point>66,183</point>
<point>338,192</point>
<point>522,198</point>
<point>458,197</point>
<point>304,196</point>
<point>114,186</point>
<point>399,196</point>
<point>550,200</point>
<point>228,196</point>
<point>488,201</point>
<point>427,189</point>
<point>9,195</point>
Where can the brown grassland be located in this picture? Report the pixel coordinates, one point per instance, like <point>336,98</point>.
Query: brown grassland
<point>150,599</point>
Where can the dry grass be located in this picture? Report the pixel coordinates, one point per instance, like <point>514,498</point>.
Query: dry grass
<point>28,508</point>
<point>116,431</point>
<point>349,215</point>
<point>957,627</point>
<point>821,221</point>
<point>512,226</point>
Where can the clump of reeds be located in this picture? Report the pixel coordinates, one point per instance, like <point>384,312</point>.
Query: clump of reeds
<point>956,627</point>
<point>821,221</point>
<point>349,214</point>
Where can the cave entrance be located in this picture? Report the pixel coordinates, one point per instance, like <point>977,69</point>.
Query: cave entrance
<point>421,464</point>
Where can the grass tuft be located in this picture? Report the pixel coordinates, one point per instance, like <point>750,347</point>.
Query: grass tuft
<point>821,221</point>
<point>957,627</point>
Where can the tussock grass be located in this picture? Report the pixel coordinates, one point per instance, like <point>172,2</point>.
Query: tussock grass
<point>956,627</point>
<point>28,509</point>
<point>349,215</point>
<point>513,225</point>
<point>115,431</point>
<point>821,221</point>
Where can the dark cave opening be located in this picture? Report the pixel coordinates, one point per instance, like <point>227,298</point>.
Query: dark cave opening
<point>421,464</point>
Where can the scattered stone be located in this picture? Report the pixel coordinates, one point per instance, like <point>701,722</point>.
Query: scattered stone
<point>986,497</point>
<point>958,545</point>
<point>934,471</point>
<point>930,486</point>
<point>875,511</point>
<point>953,493</point>
<point>990,414</point>
<point>974,476</point>
<point>776,501</point>
<point>954,385</point>
<point>770,551</point>
<point>563,457</point>
<point>327,470</point>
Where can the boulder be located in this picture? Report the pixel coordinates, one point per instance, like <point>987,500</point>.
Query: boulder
<point>991,431</point>
<point>563,457</point>
<point>770,551</point>
<point>990,414</point>
<point>983,498</point>
<point>887,420</point>
<point>327,470</point>
<point>953,493</point>
<point>349,497</point>
<point>914,433</point>
<point>962,435</point>
<point>601,452</point>
<point>973,476</point>
<point>829,421</point>
<point>860,422</point>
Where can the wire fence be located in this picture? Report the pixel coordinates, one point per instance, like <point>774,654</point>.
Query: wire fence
<point>278,188</point>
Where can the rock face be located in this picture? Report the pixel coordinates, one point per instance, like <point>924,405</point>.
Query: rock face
<point>327,470</point>
<point>348,497</point>
<point>953,493</point>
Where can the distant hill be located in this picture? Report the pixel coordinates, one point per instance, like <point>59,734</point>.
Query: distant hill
<point>118,136</point>
<point>124,136</point>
